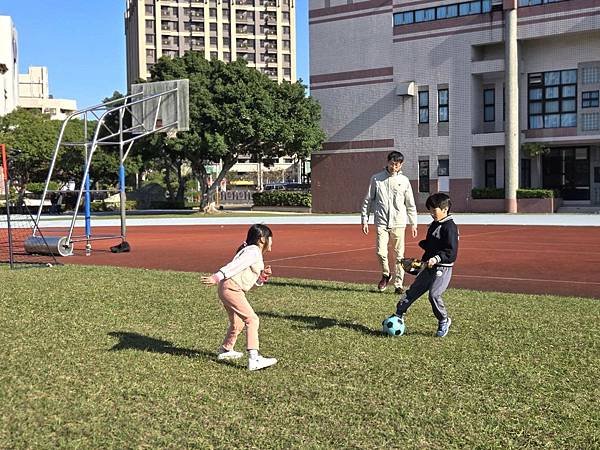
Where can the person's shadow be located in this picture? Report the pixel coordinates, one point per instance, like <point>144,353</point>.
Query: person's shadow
<point>321,323</point>
<point>135,341</point>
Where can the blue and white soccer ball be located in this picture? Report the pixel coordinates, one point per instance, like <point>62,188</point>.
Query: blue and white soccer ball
<point>393,326</point>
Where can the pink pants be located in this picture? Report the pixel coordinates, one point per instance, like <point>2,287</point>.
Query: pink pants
<point>240,314</point>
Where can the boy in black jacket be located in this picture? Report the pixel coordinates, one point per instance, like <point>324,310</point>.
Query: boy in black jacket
<point>441,248</point>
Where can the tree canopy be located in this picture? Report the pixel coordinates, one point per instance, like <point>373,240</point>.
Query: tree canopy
<point>236,110</point>
<point>31,138</point>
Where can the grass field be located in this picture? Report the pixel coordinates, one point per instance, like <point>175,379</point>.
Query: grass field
<point>98,358</point>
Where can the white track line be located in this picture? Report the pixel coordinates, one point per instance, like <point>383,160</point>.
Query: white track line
<point>539,280</point>
<point>322,254</point>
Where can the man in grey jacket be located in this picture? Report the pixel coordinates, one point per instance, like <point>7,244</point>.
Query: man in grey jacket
<point>390,199</point>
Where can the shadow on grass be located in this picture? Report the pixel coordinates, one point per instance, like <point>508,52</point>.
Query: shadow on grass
<point>135,341</point>
<point>321,323</point>
<point>321,287</point>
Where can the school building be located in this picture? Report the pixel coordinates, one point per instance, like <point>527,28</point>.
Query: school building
<point>475,94</point>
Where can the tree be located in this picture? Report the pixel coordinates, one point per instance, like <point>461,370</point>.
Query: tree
<point>236,110</point>
<point>31,139</point>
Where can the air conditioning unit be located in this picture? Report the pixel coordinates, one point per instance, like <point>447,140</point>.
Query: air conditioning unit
<point>406,88</point>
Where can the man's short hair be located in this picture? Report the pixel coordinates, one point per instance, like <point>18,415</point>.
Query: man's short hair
<point>395,157</point>
<point>438,200</point>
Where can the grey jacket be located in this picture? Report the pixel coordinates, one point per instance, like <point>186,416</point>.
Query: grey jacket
<point>390,199</point>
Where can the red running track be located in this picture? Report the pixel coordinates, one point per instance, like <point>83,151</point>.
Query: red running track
<point>524,259</point>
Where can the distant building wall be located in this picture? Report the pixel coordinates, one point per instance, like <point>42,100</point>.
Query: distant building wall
<point>9,77</point>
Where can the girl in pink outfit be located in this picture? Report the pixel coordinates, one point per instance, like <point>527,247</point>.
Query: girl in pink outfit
<point>246,270</point>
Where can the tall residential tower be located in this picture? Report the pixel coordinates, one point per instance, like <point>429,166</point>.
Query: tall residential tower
<point>259,31</point>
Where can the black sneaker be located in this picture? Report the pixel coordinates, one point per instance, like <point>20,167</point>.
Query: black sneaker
<point>383,283</point>
<point>400,290</point>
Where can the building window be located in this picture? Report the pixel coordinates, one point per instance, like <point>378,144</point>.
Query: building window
<point>149,39</point>
<point>446,12</point>
<point>490,173</point>
<point>590,75</point>
<point>443,105</point>
<point>443,12</point>
<point>552,99</point>
<point>443,168</point>
<point>425,15</point>
<point>525,173</point>
<point>423,106</point>
<point>424,176</point>
<point>489,105</point>
<point>537,2</point>
<point>590,99</point>
<point>590,122</point>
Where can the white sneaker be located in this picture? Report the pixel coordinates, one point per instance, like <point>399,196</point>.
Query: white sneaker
<point>260,362</point>
<point>228,354</point>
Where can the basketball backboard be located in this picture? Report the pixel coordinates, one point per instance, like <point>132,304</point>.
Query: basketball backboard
<point>160,106</point>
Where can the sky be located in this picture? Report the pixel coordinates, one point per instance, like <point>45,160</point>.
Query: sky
<point>82,42</point>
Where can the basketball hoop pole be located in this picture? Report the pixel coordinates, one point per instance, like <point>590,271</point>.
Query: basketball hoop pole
<point>7,198</point>
<point>87,202</point>
<point>122,196</point>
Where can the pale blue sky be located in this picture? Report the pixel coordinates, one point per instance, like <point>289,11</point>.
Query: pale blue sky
<point>82,42</point>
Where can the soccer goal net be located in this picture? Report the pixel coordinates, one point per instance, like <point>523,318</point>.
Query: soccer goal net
<point>18,247</point>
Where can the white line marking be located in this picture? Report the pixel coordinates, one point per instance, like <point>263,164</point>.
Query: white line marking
<point>322,254</point>
<point>538,280</point>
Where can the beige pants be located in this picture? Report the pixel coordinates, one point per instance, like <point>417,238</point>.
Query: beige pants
<point>240,315</point>
<point>396,235</point>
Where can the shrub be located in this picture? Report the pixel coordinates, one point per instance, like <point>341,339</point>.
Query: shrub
<point>487,193</point>
<point>282,198</point>
<point>38,188</point>
<point>101,206</point>
<point>535,193</point>
<point>521,193</point>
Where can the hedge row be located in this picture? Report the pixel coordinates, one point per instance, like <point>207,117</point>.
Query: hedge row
<point>521,193</point>
<point>100,206</point>
<point>282,198</point>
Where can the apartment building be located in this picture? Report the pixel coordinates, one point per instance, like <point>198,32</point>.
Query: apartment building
<point>263,32</point>
<point>459,87</point>
<point>34,94</point>
<point>9,67</point>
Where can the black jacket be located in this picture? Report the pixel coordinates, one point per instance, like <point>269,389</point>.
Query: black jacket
<point>441,242</point>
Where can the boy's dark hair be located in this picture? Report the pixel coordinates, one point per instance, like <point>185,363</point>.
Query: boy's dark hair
<point>396,157</point>
<point>438,200</point>
<point>256,231</point>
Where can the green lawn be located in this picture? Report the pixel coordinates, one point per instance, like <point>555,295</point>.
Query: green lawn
<point>98,358</point>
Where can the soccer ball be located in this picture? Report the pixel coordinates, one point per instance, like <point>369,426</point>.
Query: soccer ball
<point>393,326</point>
